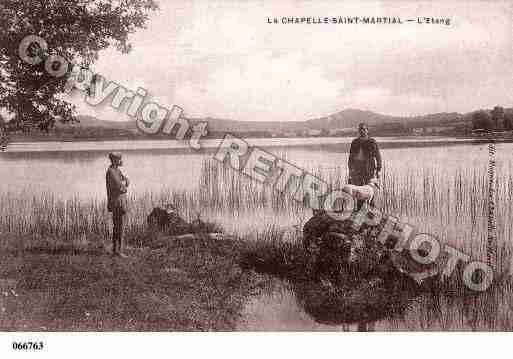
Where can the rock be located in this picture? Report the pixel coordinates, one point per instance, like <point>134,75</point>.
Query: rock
<point>166,226</point>
<point>169,221</point>
<point>345,254</point>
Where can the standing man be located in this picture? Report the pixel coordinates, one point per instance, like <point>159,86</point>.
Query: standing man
<point>117,185</point>
<point>364,158</point>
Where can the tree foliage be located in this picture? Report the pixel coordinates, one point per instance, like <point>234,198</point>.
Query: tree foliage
<point>508,121</point>
<point>497,116</point>
<point>482,120</point>
<point>74,29</point>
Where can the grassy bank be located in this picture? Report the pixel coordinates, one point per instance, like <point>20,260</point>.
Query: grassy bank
<point>76,285</point>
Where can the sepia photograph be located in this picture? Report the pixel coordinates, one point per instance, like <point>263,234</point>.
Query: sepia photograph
<point>254,166</point>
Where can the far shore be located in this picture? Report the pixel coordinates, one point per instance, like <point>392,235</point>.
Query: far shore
<point>209,144</point>
<point>20,138</point>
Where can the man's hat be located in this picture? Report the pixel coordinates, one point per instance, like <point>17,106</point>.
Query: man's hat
<point>114,155</point>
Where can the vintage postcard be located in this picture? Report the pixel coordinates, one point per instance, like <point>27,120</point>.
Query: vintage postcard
<point>178,166</point>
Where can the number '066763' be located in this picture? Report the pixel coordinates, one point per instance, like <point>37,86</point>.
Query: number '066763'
<point>27,345</point>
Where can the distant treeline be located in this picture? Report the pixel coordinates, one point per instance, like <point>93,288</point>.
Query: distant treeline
<point>496,119</point>
<point>99,133</point>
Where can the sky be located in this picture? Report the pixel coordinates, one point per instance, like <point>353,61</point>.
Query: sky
<point>222,59</point>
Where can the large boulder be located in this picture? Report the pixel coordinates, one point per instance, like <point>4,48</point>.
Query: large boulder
<point>169,221</point>
<point>341,252</point>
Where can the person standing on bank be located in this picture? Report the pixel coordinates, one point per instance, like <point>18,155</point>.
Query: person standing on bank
<point>364,158</point>
<point>117,185</point>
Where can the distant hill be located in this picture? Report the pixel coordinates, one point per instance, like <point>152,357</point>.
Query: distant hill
<point>348,118</point>
<point>351,118</point>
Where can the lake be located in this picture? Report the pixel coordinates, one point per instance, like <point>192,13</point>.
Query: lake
<point>77,169</point>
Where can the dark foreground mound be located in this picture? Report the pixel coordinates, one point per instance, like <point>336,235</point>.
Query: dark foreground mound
<point>343,275</point>
<point>169,221</point>
<point>343,253</point>
<point>363,302</point>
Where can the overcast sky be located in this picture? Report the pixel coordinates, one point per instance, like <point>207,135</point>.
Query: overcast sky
<point>222,59</point>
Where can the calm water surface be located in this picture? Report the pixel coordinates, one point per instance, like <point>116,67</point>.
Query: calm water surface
<point>277,308</point>
<point>78,168</point>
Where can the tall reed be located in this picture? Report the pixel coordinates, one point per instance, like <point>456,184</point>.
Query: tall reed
<point>452,205</point>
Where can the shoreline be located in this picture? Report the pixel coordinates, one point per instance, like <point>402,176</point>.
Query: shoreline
<point>21,139</point>
<point>209,145</point>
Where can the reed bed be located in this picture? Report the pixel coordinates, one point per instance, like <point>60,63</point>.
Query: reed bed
<point>450,205</point>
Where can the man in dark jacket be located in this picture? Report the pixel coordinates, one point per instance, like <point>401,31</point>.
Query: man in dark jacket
<point>364,158</point>
<point>117,185</point>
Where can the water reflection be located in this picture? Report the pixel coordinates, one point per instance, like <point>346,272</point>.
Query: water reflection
<point>282,306</point>
<point>366,303</point>
<point>311,306</point>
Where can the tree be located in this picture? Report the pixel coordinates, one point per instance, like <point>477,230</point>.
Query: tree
<point>497,116</point>
<point>508,121</point>
<point>482,120</point>
<point>74,29</point>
